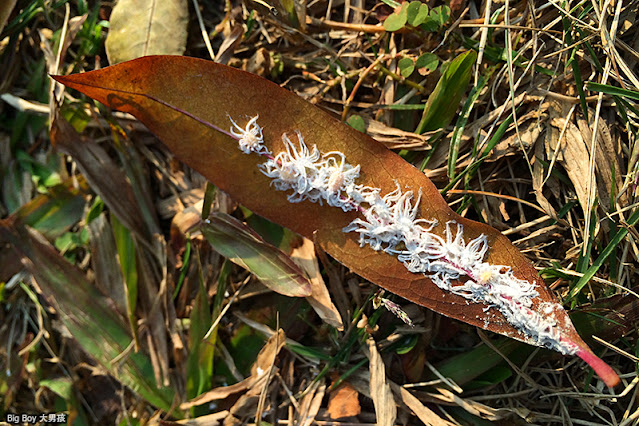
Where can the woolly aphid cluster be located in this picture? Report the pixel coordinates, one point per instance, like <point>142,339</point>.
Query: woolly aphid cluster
<point>390,224</point>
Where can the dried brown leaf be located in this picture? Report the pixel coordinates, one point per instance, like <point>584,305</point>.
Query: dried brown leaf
<point>572,154</point>
<point>147,27</point>
<point>344,402</point>
<point>320,299</point>
<point>187,102</point>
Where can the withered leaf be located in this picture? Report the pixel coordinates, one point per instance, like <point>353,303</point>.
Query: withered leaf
<point>187,103</point>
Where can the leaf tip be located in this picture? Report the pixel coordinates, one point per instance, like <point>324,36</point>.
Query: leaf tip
<point>58,78</point>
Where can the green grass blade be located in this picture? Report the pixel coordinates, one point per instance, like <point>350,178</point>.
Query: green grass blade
<point>612,90</point>
<point>610,248</point>
<point>443,102</point>
<point>453,152</point>
<point>127,255</point>
<point>199,365</point>
<point>53,213</point>
<point>471,169</point>
<point>88,315</point>
<point>243,246</point>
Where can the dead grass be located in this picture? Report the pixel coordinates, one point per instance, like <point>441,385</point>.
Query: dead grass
<point>560,180</point>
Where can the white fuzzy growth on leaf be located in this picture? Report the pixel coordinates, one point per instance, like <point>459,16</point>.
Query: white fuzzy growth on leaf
<point>445,260</point>
<point>314,176</point>
<point>296,169</point>
<point>389,220</point>
<point>250,138</point>
<point>390,223</point>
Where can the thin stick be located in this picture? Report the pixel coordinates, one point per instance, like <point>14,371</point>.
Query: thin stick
<point>205,35</point>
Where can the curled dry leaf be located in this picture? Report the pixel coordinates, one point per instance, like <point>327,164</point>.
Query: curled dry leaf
<point>320,299</point>
<point>199,110</point>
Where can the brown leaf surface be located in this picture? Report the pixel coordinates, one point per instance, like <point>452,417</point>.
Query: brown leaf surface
<point>158,90</point>
<point>343,402</point>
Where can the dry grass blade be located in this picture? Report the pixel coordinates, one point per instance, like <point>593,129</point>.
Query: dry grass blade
<point>311,402</point>
<point>380,390</point>
<point>423,413</point>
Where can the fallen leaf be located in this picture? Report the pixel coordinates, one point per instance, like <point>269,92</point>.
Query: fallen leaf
<point>344,402</point>
<point>187,103</point>
<point>147,27</point>
<point>320,299</point>
<point>572,152</point>
<point>236,241</point>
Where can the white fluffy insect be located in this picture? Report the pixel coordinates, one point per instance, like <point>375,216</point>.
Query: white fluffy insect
<point>390,223</point>
<point>250,138</point>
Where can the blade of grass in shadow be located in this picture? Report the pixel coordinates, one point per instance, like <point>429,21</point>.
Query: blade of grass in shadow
<point>471,169</point>
<point>610,248</point>
<point>465,367</point>
<point>453,151</point>
<point>242,246</point>
<point>202,338</point>
<point>186,263</point>
<point>291,13</point>
<point>444,100</point>
<point>573,62</point>
<point>199,365</point>
<point>51,214</point>
<point>87,314</point>
<point>55,212</point>
<point>105,261</point>
<point>612,90</point>
<point>126,255</point>
<point>584,256</point>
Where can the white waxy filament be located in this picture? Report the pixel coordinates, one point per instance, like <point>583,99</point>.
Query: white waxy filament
<point>390,223</point>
